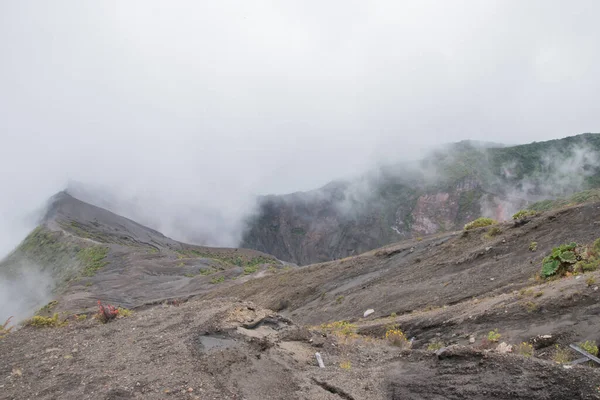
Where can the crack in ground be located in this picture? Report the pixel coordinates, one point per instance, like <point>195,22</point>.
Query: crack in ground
<point>332,389</point>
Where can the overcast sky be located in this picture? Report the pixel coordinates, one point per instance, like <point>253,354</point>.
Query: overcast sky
<point>203,104</point>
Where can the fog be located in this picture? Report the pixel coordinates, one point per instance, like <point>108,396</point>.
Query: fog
<point>179,113</point>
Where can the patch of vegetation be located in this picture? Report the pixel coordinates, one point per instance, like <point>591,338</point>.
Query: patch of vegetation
<point>81,317</point>
<point>125,312</point>
<point>561,355</point>
<point>93,259</point>
<point>524,349</point>
<point>343,328</point>
<point>480,223</point>
<point>396,337</point>
<point>590,346</point>
<point>339,299</point>
<point>393,315</point>
<point>494,336</point>
<point>590,281</point>
<point>250,269</point>
<point>346,365</point>
<point>533,246</point>
<point>577,198</point>
<point>560,261</point>
<point>435,346</point>
<point>47,308</point>
<point>189,275</point>
<point>45,322</point>
<point>524,214</point>
<point>5,329</point>
<point>530,306</point>
<point>217,279</point>
<point>571,258</point>
<point>206,271</point>
<point>493,231</point>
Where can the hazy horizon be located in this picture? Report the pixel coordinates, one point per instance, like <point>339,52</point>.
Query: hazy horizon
<point>187,111</point>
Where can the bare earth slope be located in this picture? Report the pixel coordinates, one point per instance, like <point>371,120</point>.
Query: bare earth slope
<point>254,337</point>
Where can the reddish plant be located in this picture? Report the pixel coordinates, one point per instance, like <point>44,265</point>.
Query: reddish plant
<point>106,312</point>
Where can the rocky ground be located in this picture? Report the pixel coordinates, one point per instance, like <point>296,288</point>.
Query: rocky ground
<point>255,335</point>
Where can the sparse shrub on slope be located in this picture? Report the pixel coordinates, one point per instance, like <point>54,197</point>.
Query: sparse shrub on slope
<point>590,346</point>
<point>479,223</point>
<point>524,214</point>
<point>45,322</point>
<point>396,337</point>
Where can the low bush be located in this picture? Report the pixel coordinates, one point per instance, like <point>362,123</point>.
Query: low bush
<point>524,214</point>
<point>562,355</point>
<point>435,346</point>
<point>590,346</point>
<point>494,336</point>
<point>493,231</point>
<point>217,279</point>
<point>45,322</point>
<point>533,246</point>
<point>397,338</point>
<point>524,349</point>
<point>479,223</point>
<point>342,328</point>
<point>346,365</point>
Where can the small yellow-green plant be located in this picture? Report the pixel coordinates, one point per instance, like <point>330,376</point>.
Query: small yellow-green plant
<point>523,214</point>
<point>493,231</point>
<point>339,299</point>
<point>533,246</point>
<point>343,328</point>
<point>561,355</point>
<point>590,346</point>
<point>590,281</point>
<point>397,338</point>
<point>346,365</point>
<point>81,317</point>
<point>530,306</point>
<point>250,269</point>
<point>435,346</point>
<point>125,312</point>
<point>525,349</point>
<point>479,223</point>
<point>217,279</point>
<point>393,315</point>
<point>45,322</point>
<point>494,336</point>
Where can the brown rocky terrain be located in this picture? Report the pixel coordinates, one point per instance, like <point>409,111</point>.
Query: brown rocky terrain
<point>254,335</point>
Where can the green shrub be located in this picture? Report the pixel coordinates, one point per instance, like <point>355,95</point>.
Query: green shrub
<point>339,299</point>
<point>523,214</point>
<point>45,322</point>
<point>590,346</point>
<point>533,246</point>
<point>342,328</point>
<point>217,279</point>
<point>435,346</point>
<point>493,231</point>
<point>525,349</point>
<point>250,269</point>
<point>479,223</point>
<point>494,336</point>
<point>561,355</point>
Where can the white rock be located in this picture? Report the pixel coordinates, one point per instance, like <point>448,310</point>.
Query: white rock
<point>504,348</point>
<point>368,312</point>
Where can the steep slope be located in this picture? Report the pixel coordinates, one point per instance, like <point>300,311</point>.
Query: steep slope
<point>447,290</point>
<point>87,254</point>
<point>450,187</point>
